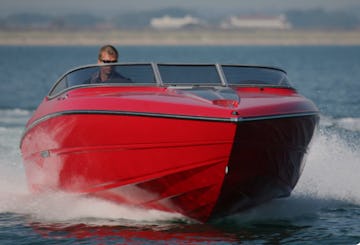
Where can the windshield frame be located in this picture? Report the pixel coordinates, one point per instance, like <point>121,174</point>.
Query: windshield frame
<point>158,77</point>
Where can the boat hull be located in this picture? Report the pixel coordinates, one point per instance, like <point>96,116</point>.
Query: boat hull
<point>203,169</point>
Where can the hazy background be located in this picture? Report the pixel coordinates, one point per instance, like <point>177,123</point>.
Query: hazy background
<point>206,7</point>
<point>180,22</point>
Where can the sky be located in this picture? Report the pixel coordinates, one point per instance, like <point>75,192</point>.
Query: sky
<point>112,7</point>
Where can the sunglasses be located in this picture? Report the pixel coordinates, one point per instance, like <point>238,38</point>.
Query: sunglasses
<point>108,61</point>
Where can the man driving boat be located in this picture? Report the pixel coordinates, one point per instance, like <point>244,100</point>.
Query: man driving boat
<point>107,55</point>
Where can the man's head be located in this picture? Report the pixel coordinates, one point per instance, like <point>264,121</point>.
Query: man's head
<point>108,54</point>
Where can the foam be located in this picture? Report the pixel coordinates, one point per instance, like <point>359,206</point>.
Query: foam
<point>14,117</point>
<point>332,170</point>
<point>348,123</point>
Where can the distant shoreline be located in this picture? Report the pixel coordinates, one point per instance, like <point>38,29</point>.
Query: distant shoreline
<point>178,38</point>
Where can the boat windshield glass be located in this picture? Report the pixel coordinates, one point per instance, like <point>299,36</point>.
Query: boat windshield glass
<point>130,74</point>
<point>171,75</point>
<point>189,74</point>
<point>251,75</point>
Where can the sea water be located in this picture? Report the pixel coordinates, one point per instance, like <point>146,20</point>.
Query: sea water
<point>324,208</point>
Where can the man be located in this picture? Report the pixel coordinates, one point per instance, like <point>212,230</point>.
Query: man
<point>107,54</point>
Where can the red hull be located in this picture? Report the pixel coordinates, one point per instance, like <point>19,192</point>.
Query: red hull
<point>154,159</point>
<point>161,149</point>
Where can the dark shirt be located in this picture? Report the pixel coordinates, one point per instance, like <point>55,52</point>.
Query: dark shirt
<point>114,77</point>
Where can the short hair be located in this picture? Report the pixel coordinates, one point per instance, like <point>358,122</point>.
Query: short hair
<point>109,49</point>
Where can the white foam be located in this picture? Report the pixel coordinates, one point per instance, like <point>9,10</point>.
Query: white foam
<point>14,116</point>
<point>332,170</point>
<point>64,207</point>
<point>61,207</point>
<point>348,123</point>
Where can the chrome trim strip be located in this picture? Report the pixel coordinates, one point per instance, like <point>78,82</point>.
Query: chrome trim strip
<point>124,113</point>
<point>173,116</point>
<point>129,113</point>
<point>146,114</point>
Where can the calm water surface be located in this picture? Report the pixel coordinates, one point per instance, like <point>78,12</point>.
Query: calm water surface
<point>323,209</point>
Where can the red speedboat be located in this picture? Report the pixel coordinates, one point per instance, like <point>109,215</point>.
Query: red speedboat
<point>203,140</point>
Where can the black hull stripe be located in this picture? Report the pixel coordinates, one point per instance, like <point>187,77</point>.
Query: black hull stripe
<point>171,116</point>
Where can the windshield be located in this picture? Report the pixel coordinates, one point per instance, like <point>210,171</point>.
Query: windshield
<point>189,74</point>
<point>182,75</point>
<point>252,75</point>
